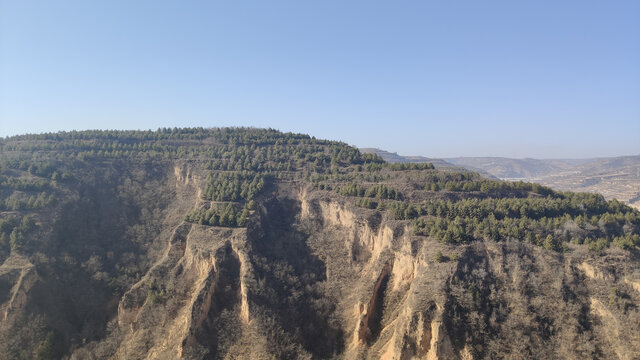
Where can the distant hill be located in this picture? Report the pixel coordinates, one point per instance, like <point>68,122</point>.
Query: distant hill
<point>395,158</point>
<point>507,168</point>
<point>616,177</point>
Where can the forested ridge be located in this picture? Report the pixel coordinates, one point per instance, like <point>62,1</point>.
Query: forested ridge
<point>458,207</point>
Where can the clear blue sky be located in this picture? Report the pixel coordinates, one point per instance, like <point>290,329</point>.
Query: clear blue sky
<point>435,78</point>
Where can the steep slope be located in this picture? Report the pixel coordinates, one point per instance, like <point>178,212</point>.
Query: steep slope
<point>247,243</point>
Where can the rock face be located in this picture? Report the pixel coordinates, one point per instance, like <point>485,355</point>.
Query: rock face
<point>311,276</point>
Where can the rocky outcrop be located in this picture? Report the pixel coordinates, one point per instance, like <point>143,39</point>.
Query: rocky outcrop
<point>183,296</point>
<point>18,271</point>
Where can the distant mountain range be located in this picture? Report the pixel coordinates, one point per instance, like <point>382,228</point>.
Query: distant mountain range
<point>615,177</point>
<point>395,158</point>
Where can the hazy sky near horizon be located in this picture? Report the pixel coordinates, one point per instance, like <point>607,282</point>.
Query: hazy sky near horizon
<point>543,79</point>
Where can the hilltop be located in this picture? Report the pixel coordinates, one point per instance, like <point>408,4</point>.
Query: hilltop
<point>253,243</point>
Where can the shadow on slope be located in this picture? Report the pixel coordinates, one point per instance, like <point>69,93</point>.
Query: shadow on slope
<point>290,292</point>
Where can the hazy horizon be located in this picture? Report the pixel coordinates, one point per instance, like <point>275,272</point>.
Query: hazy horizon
<point>520,80</point>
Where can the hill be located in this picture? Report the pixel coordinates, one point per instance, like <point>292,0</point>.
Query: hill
<point>395,158</point>
<point>253,243</point>
<point>506,168</point>
<point>615,178</point>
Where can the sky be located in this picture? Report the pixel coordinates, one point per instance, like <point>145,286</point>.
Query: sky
<point>541,79</point>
